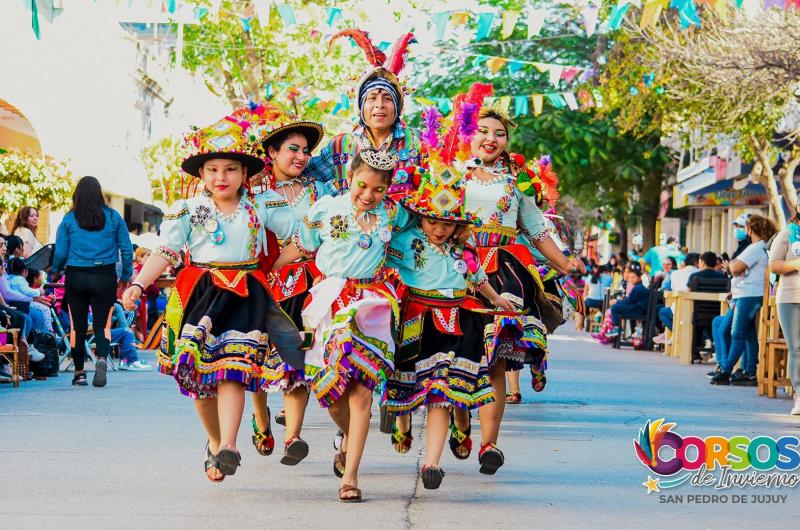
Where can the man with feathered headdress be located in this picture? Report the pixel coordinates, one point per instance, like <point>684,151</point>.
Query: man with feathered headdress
<point>379,96</point>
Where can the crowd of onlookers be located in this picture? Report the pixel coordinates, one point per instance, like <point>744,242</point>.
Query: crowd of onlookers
<point>32,301</point>
<point>625,285</point>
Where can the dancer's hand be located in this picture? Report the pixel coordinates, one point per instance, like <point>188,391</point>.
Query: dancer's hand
<point>504,304</point>
<point>131,296</point>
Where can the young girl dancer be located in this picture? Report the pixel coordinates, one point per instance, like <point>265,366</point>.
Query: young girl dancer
<point>493,190</point>
<point>353,308</point>
<point>287,142</point>
<point>221,317</point>
<point>441,362</point>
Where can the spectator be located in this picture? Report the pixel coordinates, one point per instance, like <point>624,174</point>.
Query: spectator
<point>14,248</point>
<point>708,269</point>
<point>784,259</point>
<point>89,242</point>
<point>678,282</point>
<point>13,317</point>
<point>662,280</point>
<point>747,290</point>
<point>635,304</point>
<point>654,258</point>
<point>596,286</point>
<point>25,225</point>
<point>740,234</point>
<point>39,305</point>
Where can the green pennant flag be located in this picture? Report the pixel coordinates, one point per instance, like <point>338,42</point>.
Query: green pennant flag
<point>35,19</point>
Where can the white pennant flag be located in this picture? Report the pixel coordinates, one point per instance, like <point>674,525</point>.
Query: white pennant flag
<point>536,17</point>
<point>590,18</point>
<point>569,97</point>
<point>555,73</point>
<point>262,11</point>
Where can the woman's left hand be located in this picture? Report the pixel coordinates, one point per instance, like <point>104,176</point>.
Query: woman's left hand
<point>504,304</point>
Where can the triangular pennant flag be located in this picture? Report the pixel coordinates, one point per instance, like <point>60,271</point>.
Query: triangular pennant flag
<point>35,19</point>
<point>287,15</point>
<point>555,73</point>
<point>505,103</point>
<point>171,6</point>
<point>572,103</point>
<point>535,20</point>
<point>687,12</point>
<point>569,74</point>
<point>485,21</point>
<point>557,100</point>
<point>520,105</point>
<point>334,14</point>
<point>444,105</point>
<point>590,18</point>
<point>424,101</point>
<point>440,23</point>
<point>650,13</point>
<point>262,11</point>
<point>246,24</point>
<point>268,91</point>
<point>617,16</point>
<point>384,45</point>
<point>538,103</point>
<point>542,67</point>
<point>510,18</point>
<point>311,102</point>
<point>459,18</point>
<point>496,63</point>
<point>200,12</point>
<point>514,66</point>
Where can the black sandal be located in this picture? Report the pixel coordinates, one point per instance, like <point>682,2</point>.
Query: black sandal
<point>228,460</point>
<point>280,418</point>
<point>264,442</point>
<point>79,379</point>
<point>431,477</point>
<point>339,463</point>
<point>459,438</point>
<point>211,461</point>
<point>295,449</point>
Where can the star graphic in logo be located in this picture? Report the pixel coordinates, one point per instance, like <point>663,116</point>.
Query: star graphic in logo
<point>651,485</point>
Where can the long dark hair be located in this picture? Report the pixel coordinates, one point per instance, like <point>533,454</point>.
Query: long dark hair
<point>87,204</point>
<point>21,220</point>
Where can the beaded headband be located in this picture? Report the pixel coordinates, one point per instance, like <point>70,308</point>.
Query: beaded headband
<point>380,160</point>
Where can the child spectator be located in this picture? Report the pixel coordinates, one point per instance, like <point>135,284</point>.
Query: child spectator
<point>633,305</point>
<point>40,305</point>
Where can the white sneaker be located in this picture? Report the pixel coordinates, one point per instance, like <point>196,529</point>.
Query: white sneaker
<point>139,366</point>
<point>660,339</point>
<point>796,409</point>
<point>35,355</point>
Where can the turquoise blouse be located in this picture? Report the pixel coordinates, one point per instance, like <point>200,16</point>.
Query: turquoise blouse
<point>343,249</point>
<point>312,192</point>
<point>423,265</point>
<point>500,204</point>
<point>214,237</point>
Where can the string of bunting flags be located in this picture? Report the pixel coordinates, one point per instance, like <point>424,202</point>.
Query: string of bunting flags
<point>522,105</point>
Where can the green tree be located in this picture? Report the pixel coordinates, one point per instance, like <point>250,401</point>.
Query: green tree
<point>26,179</point>
<point>162,163</point>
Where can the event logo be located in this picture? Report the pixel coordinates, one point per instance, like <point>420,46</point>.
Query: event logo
<point>739,461</point>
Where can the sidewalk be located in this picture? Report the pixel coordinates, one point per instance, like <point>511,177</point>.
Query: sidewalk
<point>130,456</point>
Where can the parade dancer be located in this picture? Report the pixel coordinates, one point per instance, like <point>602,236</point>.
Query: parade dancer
<point>441,362</point>
<point>221,317</point>
<point>287,142</point>
<point>506,209</point>
<point>354,306</point>
<point>379,97</point>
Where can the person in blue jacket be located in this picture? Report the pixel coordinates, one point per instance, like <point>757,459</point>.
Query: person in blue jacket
<point>89,241</point>
<point>633,305</point>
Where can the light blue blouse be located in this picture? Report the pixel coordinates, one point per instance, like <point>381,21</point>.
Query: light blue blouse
<point>198,223</point>
<point>312,192</point>
<point>423,265</point>
<point>498,202</point>
<point>330,229</point>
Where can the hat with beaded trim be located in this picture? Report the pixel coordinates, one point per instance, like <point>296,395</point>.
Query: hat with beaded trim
<point>440,196</point>
<point>270,121</point>
<point>385,70</point>
<point>228,138</point>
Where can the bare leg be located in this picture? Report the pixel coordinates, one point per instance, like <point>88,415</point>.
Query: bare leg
<point>492,414</point>
<point>260,410</point>
<point>360,401</point>
<point>461,418</point>
<point>295,403</point>
<point>207,411</point>
<point>230,406</point>
<point>513,381</point>
<point>438,427</point>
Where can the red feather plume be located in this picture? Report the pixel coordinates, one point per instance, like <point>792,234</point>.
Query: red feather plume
<point>374,55</point>
<point>398,53</point>
<point>550,180</point>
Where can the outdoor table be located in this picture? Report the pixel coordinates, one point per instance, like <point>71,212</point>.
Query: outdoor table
<point>682,328</point>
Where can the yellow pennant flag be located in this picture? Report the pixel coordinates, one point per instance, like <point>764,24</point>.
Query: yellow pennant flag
<point>459,18</point>
<point>496,63</point>
<point>650,13</point>
<point>538,102</point>
<point>505,103</point>
<point>510,18</point>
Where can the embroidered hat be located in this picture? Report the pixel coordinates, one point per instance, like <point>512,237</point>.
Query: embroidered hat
<point>269,121</point>
<point>384,72</point>
<point>440,196</point>
<point>229,138</point>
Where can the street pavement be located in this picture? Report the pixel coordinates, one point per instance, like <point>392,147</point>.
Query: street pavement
<point>130,456</point>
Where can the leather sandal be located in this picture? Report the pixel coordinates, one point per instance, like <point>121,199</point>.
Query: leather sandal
<point>491,459</point>
<point>280,418</point>
<point>211,461</point>
<point>538,380</point>
<point>401,441</point>
<point>459,439</point>
<point>264,442</point>
<point>431,477</point>
<point>228,460</point>
<point>347,488</point>
<point>295,449</point>
<point>514,398</point>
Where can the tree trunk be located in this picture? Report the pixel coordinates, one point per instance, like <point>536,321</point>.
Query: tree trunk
<point>623,235</point>
<point>767,178</point>
<point>786,174</point>
<point>650,203</point>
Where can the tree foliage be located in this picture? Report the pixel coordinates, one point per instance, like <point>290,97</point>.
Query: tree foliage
<point>162,163</point>
<point>27,179</point>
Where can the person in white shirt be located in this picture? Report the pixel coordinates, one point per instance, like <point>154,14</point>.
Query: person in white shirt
<point>25,225</point>
<point>679,280</point>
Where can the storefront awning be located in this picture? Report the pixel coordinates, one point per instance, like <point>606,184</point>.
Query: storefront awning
<point>722,194</point>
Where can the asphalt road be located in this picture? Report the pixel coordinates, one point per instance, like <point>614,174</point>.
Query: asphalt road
<point>130,456</point>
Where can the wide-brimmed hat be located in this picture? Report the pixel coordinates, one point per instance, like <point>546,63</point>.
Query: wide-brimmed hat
<point>267,121</point>
<point>440,196</point>
<point>228,138</point>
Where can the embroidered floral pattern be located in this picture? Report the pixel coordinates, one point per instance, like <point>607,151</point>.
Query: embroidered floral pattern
<point>173,216</point>
<point>418,247</point>
<point>202,213</point>
<point>339,227</point>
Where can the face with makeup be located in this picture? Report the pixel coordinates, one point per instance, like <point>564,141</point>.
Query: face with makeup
<point>223,177</point>
<point>490,140</point>
<point>367,188</point>
<point>290,159</point>
<point>438,231</point>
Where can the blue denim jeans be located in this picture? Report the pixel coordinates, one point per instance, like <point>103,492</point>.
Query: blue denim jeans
<point>789,317</point>
<point>125,338</point>
<point>721,333</point>
<point>744,337</point>
<point>665,316</point>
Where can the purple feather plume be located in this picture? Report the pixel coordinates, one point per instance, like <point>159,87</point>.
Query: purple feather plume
<point>433,119</point>
<point>545,160</point>
<point>468,120</point>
